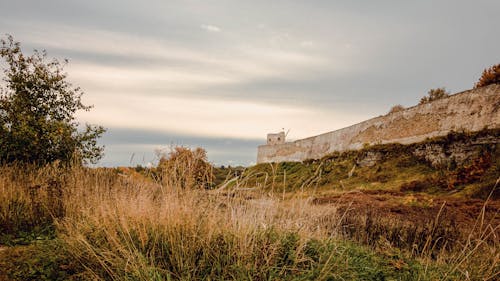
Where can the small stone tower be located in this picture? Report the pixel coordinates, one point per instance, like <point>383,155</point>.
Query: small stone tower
<point>278,138</point>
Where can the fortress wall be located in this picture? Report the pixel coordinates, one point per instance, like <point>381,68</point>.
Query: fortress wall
<point>472,110</point>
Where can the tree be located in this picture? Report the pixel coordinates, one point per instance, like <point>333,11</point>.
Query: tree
<point>434,94</point>
<point>37,108</point>
<point>490,76</point>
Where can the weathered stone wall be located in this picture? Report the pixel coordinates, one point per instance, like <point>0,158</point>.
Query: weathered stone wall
<point>273,139</point>
<point>472,110</point>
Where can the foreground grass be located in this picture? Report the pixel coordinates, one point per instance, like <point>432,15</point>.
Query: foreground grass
<point>94,224</point>
<point>337,260</point>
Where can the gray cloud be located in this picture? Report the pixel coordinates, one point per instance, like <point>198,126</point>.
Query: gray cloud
<point>138,147</point>
<point>345,60</point>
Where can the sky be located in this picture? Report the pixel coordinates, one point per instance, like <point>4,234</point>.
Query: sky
<point>222,74</point>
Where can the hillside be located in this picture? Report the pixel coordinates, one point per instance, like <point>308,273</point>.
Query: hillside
<point>466,164</point>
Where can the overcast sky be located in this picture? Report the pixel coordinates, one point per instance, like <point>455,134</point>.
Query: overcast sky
<point>222,74</point>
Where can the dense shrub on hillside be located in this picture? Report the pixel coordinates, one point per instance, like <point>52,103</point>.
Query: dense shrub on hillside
<point>186,168</point>
<point>471,172</point>
<point>434,94</point>
<point>490,76</point>
<point>396,108</point>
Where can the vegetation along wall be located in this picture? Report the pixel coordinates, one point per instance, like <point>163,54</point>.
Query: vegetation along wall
<point>470,111</point>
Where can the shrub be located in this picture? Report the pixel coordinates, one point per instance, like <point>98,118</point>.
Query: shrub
<point>490,76</point>
<point>396,108</point>
<point>434,94</point>
<point>470,173</point>
<point>186,168</point>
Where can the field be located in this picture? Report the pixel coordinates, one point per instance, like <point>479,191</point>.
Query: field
<point>399,219</point>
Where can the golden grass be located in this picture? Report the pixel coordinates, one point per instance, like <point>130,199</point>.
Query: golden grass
<point>118,227</point>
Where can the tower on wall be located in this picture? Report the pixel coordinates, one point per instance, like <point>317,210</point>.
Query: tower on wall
<point>278,138</point>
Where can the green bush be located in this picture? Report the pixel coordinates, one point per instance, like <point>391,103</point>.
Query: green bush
<point>37,108</point>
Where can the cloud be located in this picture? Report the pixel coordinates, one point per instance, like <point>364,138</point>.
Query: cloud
<point>205,117</point>
<point>210,28</point>
<point>98,50</point>
<point>109,62</point>
<point>306,44</point>
<point>245,91</point>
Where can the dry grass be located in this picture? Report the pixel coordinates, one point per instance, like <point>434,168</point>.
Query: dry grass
<point>119,228</point>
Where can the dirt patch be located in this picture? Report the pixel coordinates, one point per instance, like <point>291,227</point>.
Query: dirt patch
<point>416,208</point>
<point>417,223</point>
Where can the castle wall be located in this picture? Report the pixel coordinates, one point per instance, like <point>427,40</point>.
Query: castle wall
<point>273,139</point>
<point>472,110</point>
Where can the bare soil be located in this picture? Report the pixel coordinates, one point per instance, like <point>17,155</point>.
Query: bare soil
<point>417,208</point>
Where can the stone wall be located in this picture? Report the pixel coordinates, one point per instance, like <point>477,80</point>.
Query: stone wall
<point>472,110</point>
<point>273,139</point>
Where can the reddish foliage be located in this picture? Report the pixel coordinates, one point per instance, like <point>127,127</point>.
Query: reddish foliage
<point>470,173</point>
<point>490,76</point>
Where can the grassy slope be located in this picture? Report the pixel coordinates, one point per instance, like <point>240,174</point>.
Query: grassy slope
<point>398,169</point>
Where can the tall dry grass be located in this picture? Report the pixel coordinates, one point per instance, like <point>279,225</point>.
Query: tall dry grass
<point>119,227</point>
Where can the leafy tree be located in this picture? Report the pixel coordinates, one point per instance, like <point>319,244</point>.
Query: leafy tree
<point>434,94</point>
<point>490,76</point>
<point>37,108</point>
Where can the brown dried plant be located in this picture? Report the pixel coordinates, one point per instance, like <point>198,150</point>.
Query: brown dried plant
<point>186,168</point>
<point>490,76</point>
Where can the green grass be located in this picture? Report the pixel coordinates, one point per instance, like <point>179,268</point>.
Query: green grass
<point>284,256</point>
<point>40,260</point>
